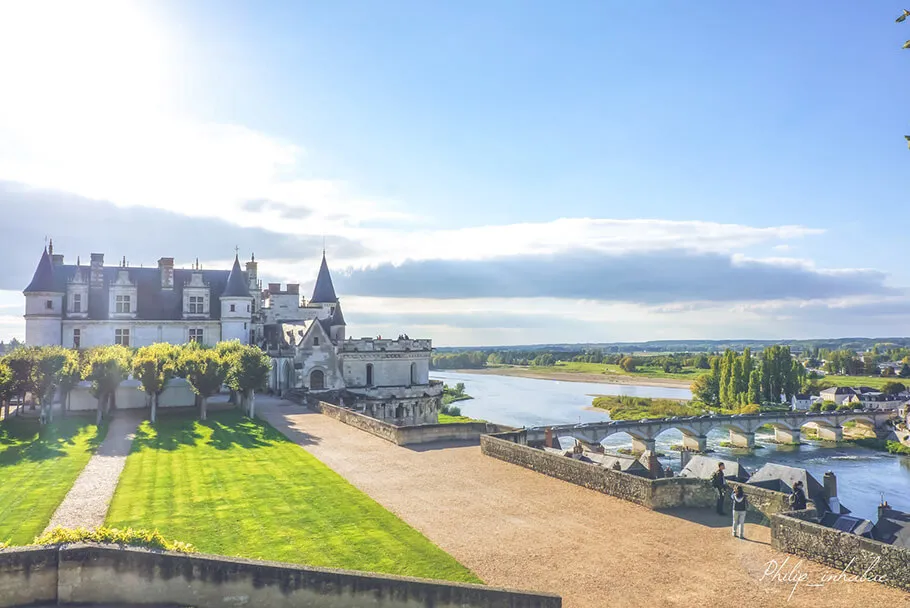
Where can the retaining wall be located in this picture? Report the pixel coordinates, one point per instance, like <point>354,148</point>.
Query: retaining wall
<point>109,575</point>
<point>792,533</point>
<point>767,502</point>
<point>410,435</point>
<point>651,493</point>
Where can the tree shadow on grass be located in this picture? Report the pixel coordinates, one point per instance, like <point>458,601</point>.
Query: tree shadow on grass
<point>26,439</point>
<point>222,430</point>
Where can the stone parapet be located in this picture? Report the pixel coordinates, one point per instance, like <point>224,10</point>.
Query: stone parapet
<point>794,532</point>
<point>95,574</point>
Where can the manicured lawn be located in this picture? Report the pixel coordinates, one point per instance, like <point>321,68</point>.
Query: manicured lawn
<point>235,486</point>
<point>36,471</point>
<point>870,381</point>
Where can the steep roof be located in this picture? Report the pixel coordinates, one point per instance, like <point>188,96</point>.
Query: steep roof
<point>893,527</point>
<point>337,316</point>
<point>703,467</point>
<point>43,279</point>
<point>154,303</point>
<point>237,285</point>
<point>323,291</point>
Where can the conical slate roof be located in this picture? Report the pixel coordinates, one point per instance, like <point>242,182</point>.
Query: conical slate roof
<point>324,291</point>
<point>237,286</point>
<point>43,279</point>
<point>337,316</point>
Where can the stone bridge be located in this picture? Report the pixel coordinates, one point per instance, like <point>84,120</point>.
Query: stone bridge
<point>695,429</point>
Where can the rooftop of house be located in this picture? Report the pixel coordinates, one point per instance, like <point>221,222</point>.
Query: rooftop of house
<point>703,467</point>
<point>893,527</point>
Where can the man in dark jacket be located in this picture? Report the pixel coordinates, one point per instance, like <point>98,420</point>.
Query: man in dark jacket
<point>720,486</point>
<point>798,497</point>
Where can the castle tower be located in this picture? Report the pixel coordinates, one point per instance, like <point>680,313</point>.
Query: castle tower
<point>324,291</point>
<point>44,306</point>
<point>236,306</point>
<point>337,324</point>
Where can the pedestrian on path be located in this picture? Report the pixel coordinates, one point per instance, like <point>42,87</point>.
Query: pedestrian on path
<point>739,511</point>
<point>720,486</point>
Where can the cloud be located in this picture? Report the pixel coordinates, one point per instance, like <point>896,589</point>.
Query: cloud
<point>80,226</point>
<point>283,210</point>
<point>645,278</point>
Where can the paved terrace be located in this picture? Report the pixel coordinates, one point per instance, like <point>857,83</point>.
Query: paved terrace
<point>695,429</point>
<point>517,528</point>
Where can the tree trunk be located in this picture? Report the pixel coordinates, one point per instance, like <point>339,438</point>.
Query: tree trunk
<point>203,401</point>
<point>101,399</point>
<point>252,401</point>
<point>154,407</point>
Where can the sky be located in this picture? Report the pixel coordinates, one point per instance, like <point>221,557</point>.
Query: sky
<point>479,173</point>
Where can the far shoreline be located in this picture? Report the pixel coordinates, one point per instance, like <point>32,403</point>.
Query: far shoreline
<point>573,377</point>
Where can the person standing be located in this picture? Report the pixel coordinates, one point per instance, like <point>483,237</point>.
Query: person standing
<point>720,486</point>
<point>798,497</point>
<point>739,511</point>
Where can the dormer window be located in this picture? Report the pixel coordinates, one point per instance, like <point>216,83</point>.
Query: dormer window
<point>315,340</point>
<point>49,304</point>
<point>123,304</point>
<point>77,302</point>
<point>196,303</point>
<point>232,308</point>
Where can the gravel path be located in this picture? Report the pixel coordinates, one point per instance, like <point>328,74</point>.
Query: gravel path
<point>87,501</point>
<point>520,529</point>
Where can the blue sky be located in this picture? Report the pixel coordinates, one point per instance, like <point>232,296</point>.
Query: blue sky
<point>758,154</point>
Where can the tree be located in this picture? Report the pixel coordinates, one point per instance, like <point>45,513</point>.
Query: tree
<point>7,385</point>
<point>705,389</point>
<point>69,377</point>
<point>905,371</point>
<point>816,406</point>
<point>701,362</point>
<point>106,367</point>
<point>829,406</point>
<point>754,387</point>
<point>249,372</point>
<point>726,375</point>
<point>22,361</point>
<point>52,364</point>
<point>154,366</point>
<point>628,364</point>
<point>893,388</point>
<point>205,370</point>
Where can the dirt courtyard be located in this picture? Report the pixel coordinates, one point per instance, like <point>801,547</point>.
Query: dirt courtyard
<point>520,529</point>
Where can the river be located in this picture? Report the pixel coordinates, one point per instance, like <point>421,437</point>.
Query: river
<point>863,475</point>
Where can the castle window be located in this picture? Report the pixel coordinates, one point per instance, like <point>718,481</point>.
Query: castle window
<point>196,335</point>
<point>369,374</point>
<point>248,308</point>
<point>49,304</point>
<point>77,338</point>
<point>315,340</point>
<point>232,308</point>
<point>123,304</point>
<point>413,373</point>
<point>122,336</point>
<point>77,302</point>
<point>196,305</point>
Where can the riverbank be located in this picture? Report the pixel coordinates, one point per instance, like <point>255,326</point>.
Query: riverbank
<point>568,376</point>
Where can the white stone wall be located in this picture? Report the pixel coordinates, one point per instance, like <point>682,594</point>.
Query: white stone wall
<point>142,333</point>
<point>177,394</point>
<point>322,358</point>
<point>389,369</point>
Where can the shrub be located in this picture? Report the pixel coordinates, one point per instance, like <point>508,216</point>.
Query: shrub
<point>816,407</point>
<point>450,410</point>
<point>843,407</point>
<point>149,539</point>
<point>829,406</point>
<point>752,408</point>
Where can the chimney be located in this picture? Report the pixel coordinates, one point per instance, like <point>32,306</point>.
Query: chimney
<point>684,457</point>
<point>274,287</point>
<point>166,270</point>
<point>830,483</point>
<point>57,258</point>
<point>883,506</point>
<point>548,437</point>
<point>294,288</point>
<point>649,459</point>
<point>252,272</point>
<point>96,279</point>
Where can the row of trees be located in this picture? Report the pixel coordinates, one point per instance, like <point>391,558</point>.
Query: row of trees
<point>737,380</point>
<point>46,372</point>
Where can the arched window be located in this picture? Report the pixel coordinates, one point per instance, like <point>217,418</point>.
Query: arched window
<point>413,373</point>
<point>317,380</point>
<point>369,374</point>
<point>399,412</point>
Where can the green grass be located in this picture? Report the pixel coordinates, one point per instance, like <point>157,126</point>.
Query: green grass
<point>235,486</point>
<point>645,371</point>
<point>870,381</point>
<point>894,447</point>
<point>446,419</point>
<point>624,407</point>
<point>36,471</point>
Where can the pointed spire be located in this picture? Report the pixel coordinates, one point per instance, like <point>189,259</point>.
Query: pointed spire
<point>43,279</point>
<point>337,316</point>
<point>324,291</point>
<point>237,285</point>
<point>50,248</point>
